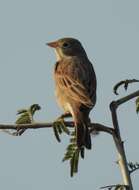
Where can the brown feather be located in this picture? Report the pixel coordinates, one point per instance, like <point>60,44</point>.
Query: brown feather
<point>75,81</point>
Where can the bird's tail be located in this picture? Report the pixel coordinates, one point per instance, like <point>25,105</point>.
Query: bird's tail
<point>82,134</point>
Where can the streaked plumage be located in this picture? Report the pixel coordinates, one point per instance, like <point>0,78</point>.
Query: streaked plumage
<point>75,81</point>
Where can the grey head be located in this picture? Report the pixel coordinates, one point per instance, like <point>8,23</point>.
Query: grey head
<point>67,47</point>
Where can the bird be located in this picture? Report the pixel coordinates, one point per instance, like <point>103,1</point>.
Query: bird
<point>75,85</point>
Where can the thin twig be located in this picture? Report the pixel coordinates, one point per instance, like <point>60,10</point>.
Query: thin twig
<point>125,83</point>
<point>112,186</point>
<point>127,98</point>
<point>101,128</point>
<point>93,126</point>
<point>133,170</point>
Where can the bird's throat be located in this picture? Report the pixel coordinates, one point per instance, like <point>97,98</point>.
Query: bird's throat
<point>58,57</point>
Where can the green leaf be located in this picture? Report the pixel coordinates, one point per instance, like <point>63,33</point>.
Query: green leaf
<point>56,133</point>
<point>24,118</point>
<point>33,108</point>
<point>73,154</point>
<point>60,121</point>
<point>119,187</point>
<point>73,134</point>
<point>26,115</point>
<point>72,163</point>
<point>137,105</point>
<point>67,157</point>
<point>21,111</point>
<point>65,129</point>
<point>71,147</point>
<point>59,129</point>
<point>76,161</point>
<point>73,140</point>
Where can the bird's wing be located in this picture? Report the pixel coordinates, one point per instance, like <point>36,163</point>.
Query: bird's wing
<point>74,78</point>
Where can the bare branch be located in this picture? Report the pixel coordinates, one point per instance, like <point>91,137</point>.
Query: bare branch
<point>122,161</point>
<point>101,128</point>
<point>131,171</point>
<point>127,98</point>
<point>93,126</point>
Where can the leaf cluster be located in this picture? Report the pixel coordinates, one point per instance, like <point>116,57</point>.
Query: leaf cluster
<point>59,127</point>
<point>137,105</point>
<point>133,166</point>
<point>73,154</point>
<point>25,116</point>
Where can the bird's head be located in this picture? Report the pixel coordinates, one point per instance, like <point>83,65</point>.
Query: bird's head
<point>66,47</point>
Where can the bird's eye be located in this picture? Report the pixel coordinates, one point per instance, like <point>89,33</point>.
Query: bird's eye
<point>66,45</point>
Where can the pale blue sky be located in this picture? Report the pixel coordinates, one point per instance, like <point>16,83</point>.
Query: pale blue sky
<point>109,31</point>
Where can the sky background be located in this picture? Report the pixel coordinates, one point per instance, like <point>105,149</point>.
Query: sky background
<point>109,32</point>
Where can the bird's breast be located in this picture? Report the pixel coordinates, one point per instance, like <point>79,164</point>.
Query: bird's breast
<point>62,100</point>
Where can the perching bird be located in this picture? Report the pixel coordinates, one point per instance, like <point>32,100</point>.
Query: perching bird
<point>75,82</point>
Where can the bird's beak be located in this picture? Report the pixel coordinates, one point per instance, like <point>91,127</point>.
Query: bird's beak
<point>53,44</point>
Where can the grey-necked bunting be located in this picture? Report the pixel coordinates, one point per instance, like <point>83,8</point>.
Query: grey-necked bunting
<point>75,83</point>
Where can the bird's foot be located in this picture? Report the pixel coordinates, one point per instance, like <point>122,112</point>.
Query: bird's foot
<point>65,115</point>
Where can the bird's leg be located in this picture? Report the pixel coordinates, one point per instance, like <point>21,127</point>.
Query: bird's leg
<point>65,115</point>
<point>61,118</point>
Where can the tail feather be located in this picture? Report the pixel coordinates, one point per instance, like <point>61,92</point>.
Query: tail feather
<point>83,135</point>
<point>88,143</point>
